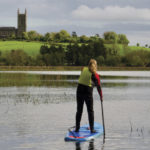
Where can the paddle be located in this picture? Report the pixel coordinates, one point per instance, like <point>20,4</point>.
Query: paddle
<point>103,121</point>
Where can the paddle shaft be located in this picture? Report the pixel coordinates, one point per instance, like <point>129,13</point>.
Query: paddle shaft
<point>103,117</point>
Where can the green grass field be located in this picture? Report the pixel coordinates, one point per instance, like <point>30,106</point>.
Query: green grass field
<point>33,48</point>
<point>134,48</point>
<point>125,49</point>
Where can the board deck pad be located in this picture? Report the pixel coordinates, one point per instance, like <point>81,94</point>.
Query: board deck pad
<point>84,133</point>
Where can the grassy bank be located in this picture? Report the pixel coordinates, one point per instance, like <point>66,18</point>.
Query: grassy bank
<point>68,68</point>
<point>33,48</point>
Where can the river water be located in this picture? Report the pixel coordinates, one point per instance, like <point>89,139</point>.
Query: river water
<point>37,108</point>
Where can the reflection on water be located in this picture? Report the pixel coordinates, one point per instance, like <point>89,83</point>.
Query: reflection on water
<point>90,146</point>
<point>37,109</point>
<point>38,79</point>
<point>11,79</point>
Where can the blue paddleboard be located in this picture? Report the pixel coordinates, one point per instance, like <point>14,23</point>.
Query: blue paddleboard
<point>84,133</point>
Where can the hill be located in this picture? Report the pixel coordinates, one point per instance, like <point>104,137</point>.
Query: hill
<point>33,48</point>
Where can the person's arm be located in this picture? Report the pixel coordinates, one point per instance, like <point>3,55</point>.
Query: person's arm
<point>96,80</point>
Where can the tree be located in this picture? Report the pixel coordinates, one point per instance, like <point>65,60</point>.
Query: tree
<point>74,34</point>
<point>64,36</point>
<point>80,54</point>
<point>25,36</point>
<point>17,58</point>
<point>138,44</point>
<point>137,58</point>
<point>53,55</point>
<point>74,37</point>
<point>84,39</point>
<point>100,60</point>
<point>113,60</point>
<point>94,38</point>
<point>110,37</point>
<point>13,36</point>
<point>33,35</point>
<point>47,37</point>
<point>122,39</point>
<point>99,48</point>
<point>44,49</point>
<point>72,53</point>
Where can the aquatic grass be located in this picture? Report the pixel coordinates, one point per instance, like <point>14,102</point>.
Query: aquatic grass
<point>69,68</point>
<point>139,131</point>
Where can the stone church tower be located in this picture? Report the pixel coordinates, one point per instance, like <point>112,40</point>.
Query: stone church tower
<point>7,32</point>
<point>22,23</point>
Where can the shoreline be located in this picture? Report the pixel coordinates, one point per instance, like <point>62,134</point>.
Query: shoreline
<point>68,68</point>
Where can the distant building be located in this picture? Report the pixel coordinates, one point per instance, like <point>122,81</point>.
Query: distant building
<point>6,32</point>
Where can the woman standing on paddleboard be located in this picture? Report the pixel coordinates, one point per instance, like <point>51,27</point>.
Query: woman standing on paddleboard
<point>87,80</point>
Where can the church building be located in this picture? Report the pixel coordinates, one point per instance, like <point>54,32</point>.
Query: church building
<point>6,32</point>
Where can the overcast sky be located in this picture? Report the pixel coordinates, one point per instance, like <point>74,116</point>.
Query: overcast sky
<point>86,17</point>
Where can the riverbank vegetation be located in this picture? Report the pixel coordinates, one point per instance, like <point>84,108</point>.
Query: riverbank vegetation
<point>63,49</point>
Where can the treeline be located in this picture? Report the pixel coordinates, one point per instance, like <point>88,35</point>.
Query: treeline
<point>64,37</point>
<point>77,54</point>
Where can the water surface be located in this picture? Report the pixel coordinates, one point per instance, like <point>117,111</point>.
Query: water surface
<point>37,108</point>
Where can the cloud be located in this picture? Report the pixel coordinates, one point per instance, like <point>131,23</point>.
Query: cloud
<point>112,13</point>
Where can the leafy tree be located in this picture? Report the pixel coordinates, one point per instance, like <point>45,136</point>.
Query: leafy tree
<point>25,36</point>
<point>47,37</point>
<point>44,49</point>
<point>137,58</point>
<point>100,60</point>
<point>80,54</point>
<point>113,60</point>
<point>17,58</point>
<point>39,60</point>
<point>138,44</point>
<point>53,55</point>
<point>74,34</point>
<point>110,37</point>
<point>33,35</point>
<point>74,37</point>
<point>122,39</point>
<point>84,39</point>
<point>94,38</point>
<point>97,35</point>
<point>72,53</point>
<point>99,48</point>
<point>13,36</point>
<point>64,36</point>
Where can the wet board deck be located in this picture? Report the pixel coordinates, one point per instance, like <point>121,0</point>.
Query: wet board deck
<point>84,133</point>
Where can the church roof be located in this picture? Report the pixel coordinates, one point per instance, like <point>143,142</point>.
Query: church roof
<point>7,28</point>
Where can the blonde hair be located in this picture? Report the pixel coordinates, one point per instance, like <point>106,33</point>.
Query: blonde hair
<point>92,65</point>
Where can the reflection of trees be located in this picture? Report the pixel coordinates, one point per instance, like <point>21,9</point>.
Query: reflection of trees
<point>112,83</point>
<point>58,80</point>
<point>115,84</point>
<point>18,79</point>
<point>21,79</point>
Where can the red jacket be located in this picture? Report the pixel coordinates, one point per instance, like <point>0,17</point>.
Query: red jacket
<point>96,81</point>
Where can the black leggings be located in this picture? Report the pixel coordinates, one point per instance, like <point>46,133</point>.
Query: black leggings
<point>84,94</point>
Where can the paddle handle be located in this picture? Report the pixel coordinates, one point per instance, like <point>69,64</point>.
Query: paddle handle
<point>103,118</point>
